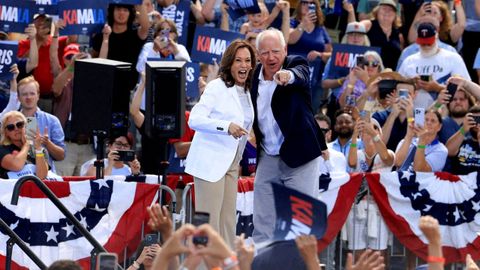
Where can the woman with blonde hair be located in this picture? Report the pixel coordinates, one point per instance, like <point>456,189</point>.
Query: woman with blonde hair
<point>449,32</point>
<point>17,157</point>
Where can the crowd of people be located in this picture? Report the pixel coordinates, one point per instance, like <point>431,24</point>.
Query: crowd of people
<point>275,107</point>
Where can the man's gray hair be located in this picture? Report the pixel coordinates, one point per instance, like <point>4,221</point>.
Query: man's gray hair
<point>270,31</point>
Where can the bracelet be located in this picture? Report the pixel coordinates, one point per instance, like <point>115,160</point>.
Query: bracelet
<point>421,146</point>
<point>353,145</point>
<point>438,105</point>
<point>462,131</point>
<point>435,259</point>
<point>136,265</point>
<point>350,86</point>
<point>410,120</point>
<point>40,155</point>
<point>339,81</point>
<point>230,262</point>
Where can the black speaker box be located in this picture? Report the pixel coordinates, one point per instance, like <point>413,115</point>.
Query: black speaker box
<point>100,96</point>
<point>165,99</point>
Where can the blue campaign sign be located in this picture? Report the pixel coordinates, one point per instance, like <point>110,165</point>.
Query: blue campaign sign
<point>8,57</point>
<point>192,72</point>
<point>238,8</point>
<point>210,43</point>
<point>126,2</point>
<point>82,17</point>
<point>297,214</point>
<point>179,14</point>
<point>15,15</point>
<point>46,7</point>
<point>344,58</point>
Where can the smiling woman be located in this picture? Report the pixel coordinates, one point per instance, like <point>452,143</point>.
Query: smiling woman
<point>222,120</point>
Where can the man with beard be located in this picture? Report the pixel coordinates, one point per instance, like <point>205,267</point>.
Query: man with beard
<point>431,66</point>
<point>465,151</point>
<point>343,127</point>
<point>458,108</point>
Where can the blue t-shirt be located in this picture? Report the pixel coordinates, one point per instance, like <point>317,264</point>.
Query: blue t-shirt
<point>449,127</point>
<point>315,40</point>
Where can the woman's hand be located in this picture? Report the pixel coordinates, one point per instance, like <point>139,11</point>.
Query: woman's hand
<point>38,141</point>
<point>424,135</point>
<point>361,73</point>
<point>31,31</point>
<point>106,31</point>
<point>216,246</point>
<point>312,55</point>
<point>244,253</point>
<point>112,157</point>
<point>135,166</point>
<point>430,228</point>
<point>160,220</point>
<point>468,122</point>
<point>14,70</point>
<point>236,131</point>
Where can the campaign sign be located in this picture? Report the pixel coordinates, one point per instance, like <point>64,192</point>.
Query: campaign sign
<point>179,14</point>
<point>8,57</point>
<point>46,7</point>
<point>210,43</point>
<point>344,57</point>
<point>239,8</point>
<point>126,2</point>
<point>15,15</point>
<point>82,17</point>
<point>297,214</point>
<point>191,80</point>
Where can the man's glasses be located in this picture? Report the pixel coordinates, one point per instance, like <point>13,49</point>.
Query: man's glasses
<point>19,125</point>
<point>324,130</point>
<point>119,144</point>
<point>373,63</point>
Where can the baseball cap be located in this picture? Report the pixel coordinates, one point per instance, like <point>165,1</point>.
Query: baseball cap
<point>71,49</point>
<point>426,34</point>
<point>355,27</point>
<point>388,3</point>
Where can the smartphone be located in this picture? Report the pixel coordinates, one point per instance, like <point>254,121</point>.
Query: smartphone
<point>403,93</point>
<point>151,239</point>
<point>107,261</point>
<point>419,114</point>
<point>312,8</point>
<point>200,218</point>
<point>452,88</point>
<point>350,101</point>
<point>126,155</point>
<point>365,115</point>
<point>360,60</point>
<point>476,118</point>
<point>31,128</point>
<point>164,34</point>
<point>425,78</point>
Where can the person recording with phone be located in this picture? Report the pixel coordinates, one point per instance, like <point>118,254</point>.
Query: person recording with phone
<point>367,65</point>
<point>119,155</point>
<point>222,120</point>
<point>464,149</point>
<point>420,150</point>
<point>19,156</point>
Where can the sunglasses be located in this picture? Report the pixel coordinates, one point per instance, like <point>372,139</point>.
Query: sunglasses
<point>19,125</point>
<point>373,63</point>
<point>325,130</point>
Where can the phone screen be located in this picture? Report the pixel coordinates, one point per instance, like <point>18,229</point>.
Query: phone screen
<point>452,89</point>
<point>151,239</point>
<point>107,261</point>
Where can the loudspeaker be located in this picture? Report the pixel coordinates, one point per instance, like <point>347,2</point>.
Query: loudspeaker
<point>100,96</point>
<point>165,99</point>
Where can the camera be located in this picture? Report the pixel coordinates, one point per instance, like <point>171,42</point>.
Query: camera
<point>386,87</point>
<point>126,155</point>
<point>476,118</point>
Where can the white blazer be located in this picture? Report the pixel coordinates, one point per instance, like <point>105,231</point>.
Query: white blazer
<point>213,150</point>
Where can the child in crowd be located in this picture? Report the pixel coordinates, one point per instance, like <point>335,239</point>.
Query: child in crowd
<point>257,22</point>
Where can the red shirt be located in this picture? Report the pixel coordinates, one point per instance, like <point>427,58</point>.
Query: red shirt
<point>43,73</point>
<point>187,135</point>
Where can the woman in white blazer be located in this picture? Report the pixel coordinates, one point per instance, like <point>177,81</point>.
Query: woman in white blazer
<point>222,120</point>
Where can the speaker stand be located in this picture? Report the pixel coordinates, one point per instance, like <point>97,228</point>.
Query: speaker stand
<point>162,168</point>
<point>99,164</point>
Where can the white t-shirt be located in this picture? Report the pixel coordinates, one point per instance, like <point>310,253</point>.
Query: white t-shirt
<point>441,66</point>
<point>335,163</point>
<point>125,170</point>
